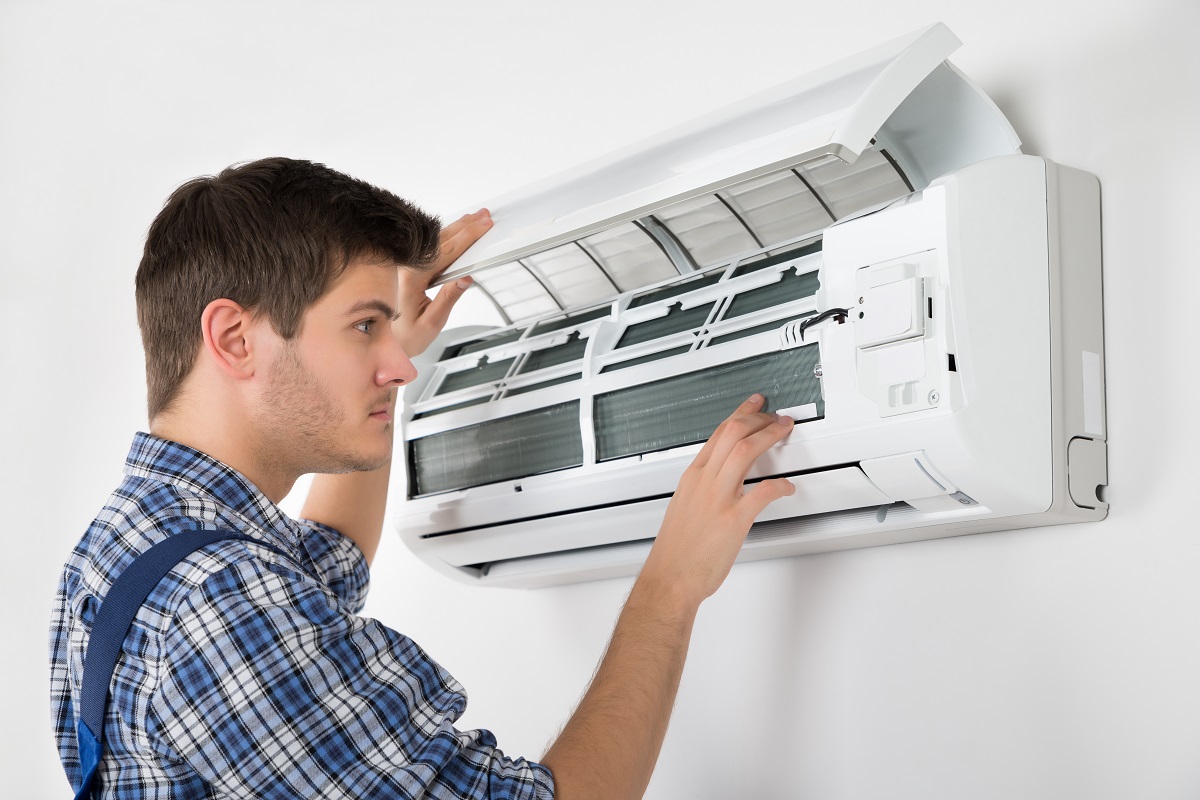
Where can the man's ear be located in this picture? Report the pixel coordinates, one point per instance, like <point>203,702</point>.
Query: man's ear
<point>228,331</point>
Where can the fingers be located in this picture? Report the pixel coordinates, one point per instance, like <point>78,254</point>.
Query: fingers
<point>744,451</point>
<point>439,308</point>
<point>733,430</point>
<point>751,404</point>
<point>459,235</point>
<point>763,494</point>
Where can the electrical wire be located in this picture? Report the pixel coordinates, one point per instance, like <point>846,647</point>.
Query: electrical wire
<point>839,314</point>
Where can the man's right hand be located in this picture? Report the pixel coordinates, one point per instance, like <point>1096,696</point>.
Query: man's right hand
<point>608,748</point>
<point>710,514</point>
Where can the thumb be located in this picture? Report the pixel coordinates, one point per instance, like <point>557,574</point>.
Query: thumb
<point>764,493</point>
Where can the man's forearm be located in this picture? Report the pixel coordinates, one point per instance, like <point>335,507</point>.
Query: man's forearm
<point>352,504</point>
<point>610,745</point>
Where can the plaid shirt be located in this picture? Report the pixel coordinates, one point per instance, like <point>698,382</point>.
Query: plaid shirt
<point>247,674</point>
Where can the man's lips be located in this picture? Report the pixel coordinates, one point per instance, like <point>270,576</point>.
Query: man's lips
<point>384,410</point>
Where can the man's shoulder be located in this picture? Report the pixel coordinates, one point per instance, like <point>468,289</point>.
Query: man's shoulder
<point>139,514</point>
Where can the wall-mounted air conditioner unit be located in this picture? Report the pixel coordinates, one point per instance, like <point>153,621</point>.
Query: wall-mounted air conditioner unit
<point>960,388</point>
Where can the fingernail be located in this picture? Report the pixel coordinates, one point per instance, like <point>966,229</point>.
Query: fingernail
<point>464,283</point>
<point>785,421</point>
<point>754,398</point>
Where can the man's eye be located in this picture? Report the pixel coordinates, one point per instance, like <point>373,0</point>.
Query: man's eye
<point>365,325</point>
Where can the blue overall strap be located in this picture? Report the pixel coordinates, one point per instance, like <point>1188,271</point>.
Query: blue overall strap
<point>113,619</point>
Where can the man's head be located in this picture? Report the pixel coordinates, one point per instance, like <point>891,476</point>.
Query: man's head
<point>273,236</point>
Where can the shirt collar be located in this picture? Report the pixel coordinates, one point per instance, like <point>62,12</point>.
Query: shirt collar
<point>201,474</point>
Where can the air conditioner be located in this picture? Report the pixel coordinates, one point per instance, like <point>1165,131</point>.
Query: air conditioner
<point>865,246</point>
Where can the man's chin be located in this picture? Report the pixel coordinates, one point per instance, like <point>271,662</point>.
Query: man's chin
<point>372,464</point>
<point>358,462</point>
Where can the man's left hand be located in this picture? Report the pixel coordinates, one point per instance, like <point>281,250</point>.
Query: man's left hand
<point>421,317</point>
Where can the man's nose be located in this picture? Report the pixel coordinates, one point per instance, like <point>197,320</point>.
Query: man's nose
<point>397,368</point>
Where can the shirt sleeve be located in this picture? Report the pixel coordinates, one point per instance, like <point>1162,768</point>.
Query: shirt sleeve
<point>272,690</point>
<point>61,702</point>
<point>339,562</point>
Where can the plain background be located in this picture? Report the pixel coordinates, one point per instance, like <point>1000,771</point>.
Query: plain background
<point>1047,663</point>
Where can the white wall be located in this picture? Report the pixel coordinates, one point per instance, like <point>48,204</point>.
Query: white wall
<point>1054,663</point>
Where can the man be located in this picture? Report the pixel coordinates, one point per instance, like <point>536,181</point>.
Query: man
<point>278,304</point>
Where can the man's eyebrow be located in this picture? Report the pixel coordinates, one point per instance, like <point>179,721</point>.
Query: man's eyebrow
<point>373,305</point>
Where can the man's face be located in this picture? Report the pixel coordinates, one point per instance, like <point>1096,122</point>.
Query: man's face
<point>327,398</point>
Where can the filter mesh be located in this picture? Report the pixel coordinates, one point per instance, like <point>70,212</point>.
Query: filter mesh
<point>570,350</point>
<point>687,408</point>
<point>788,288</point>
<point>483,343</point>
<point>543,385</point>
<point>503,449</point>
<point>558,323</point>
<point>465,404</point>
<point>633,362</point>
<point>676,320</point>
<point>777,258</point>
<point>675,289</point>
<point>751,331</point>
<point>484,372</point>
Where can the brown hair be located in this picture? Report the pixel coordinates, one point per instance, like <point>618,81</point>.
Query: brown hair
<point>271,235</point>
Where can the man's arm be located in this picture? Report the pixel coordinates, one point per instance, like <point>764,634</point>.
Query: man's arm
<point>354,504</point>
<point>610,745</point>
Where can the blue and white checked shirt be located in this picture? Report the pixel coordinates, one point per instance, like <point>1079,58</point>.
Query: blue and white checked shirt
<point>246,674</point>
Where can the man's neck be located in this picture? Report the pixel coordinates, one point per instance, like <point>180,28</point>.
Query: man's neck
<point>233,448</point>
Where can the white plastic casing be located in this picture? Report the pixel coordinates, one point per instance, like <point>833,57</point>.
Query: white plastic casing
<point>968,396</point>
